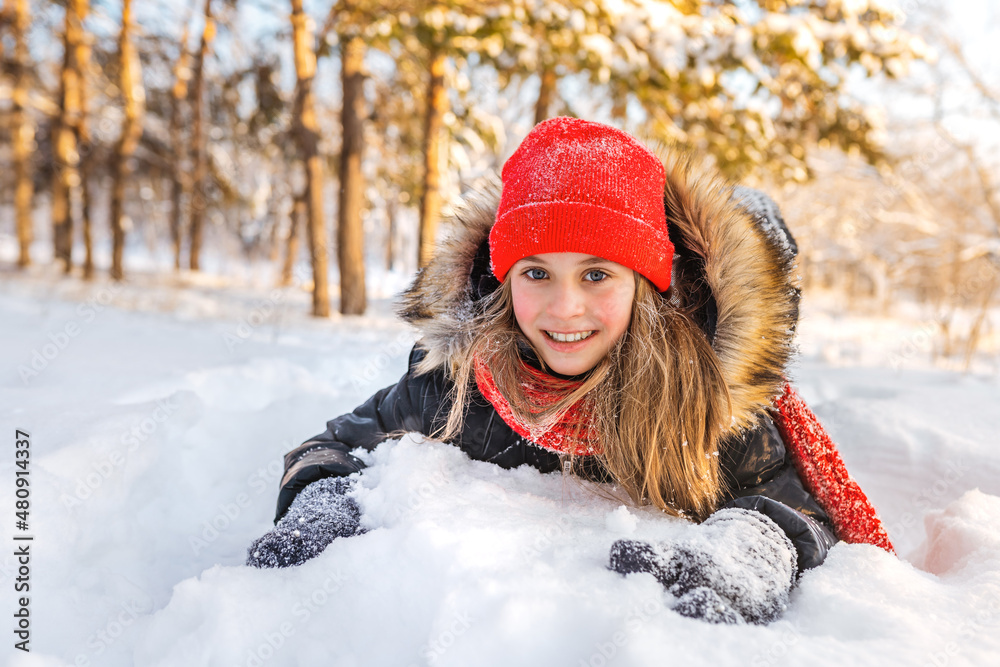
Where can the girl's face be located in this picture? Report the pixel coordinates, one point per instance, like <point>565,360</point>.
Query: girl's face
<point>572,307</point>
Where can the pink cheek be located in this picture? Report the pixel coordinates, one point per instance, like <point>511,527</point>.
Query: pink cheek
<point>609,315</point>
<point>525,310</point>
<point>614,316</point>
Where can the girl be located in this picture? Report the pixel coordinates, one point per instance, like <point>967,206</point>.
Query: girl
<point>623,318</point>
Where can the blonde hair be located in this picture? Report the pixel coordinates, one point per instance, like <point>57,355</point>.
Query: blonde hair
<point>658,401</point>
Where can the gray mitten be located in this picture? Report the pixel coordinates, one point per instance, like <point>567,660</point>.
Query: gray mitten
<point>737,567</point>
<point>320,513</point>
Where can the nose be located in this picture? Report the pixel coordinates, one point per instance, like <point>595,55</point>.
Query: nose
<point>567,301</point>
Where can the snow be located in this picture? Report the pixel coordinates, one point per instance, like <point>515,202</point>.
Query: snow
<point>157,431</point>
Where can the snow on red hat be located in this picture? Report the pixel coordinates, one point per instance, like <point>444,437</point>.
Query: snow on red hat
<point>577,186</point>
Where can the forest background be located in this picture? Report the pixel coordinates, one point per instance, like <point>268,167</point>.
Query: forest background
<point>316,147</point>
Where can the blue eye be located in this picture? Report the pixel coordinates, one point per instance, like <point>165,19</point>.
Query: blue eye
<point>536,274</point>
<point>596,275</point>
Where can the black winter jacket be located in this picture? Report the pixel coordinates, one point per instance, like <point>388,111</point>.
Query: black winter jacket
<point>749,321</point>
<point>757,468</point>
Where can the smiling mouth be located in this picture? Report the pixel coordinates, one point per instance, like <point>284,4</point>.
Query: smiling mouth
<point>569,337</point>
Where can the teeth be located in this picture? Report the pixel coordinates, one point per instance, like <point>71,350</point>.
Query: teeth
<point>569,338</point>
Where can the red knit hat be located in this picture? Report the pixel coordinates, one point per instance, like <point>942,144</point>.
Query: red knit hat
<point>577,186</point>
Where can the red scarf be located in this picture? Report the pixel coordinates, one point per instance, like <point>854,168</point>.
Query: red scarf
<point>824,474</point>
<point>572,433</point>
<point>813,453</point>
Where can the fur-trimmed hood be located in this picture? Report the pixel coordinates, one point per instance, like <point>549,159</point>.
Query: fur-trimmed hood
<point>734,262</point>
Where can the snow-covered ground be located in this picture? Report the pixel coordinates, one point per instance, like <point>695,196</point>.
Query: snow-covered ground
<point>158,418</point>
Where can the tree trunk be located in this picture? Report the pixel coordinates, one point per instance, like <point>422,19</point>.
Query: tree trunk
<point>23,132</point>
<point>390,234</point>
<point>199,167</point>
<point>85,148</point>
<point>547,86</point>
<point>975,332</point>
<point>131,87</point>
<point>274,204</point>
<point>430,203</point>
<point>87,209</point>
<point>350,230</point>
<point>65,131</point>
<point>178,176</point>
<point>292,249</point>
<point>307,138</point>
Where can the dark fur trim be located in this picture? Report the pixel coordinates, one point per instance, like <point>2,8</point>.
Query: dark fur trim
<point>750,276</point>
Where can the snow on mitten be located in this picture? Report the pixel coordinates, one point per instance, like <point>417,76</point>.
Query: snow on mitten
<point>631,556</point>
<point>737,566</point>
<point>704,603</point>
<point>320,513</point>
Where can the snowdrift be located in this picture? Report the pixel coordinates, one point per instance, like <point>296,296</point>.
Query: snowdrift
<point>156,453</point>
